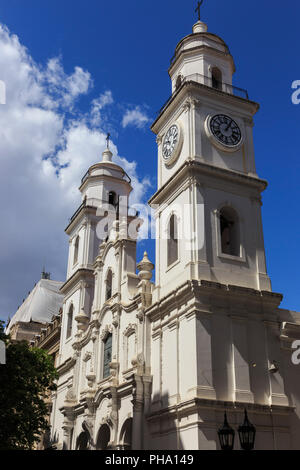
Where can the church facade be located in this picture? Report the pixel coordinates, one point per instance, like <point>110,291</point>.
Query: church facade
<point>146,365</point>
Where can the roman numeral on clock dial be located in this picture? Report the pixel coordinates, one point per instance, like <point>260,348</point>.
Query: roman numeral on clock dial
<point>226,130</point>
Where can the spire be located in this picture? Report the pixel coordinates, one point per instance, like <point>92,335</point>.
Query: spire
<point>199,27</point>
<point>198,9</point>
<point>107,154</point>
<point>107,140</point>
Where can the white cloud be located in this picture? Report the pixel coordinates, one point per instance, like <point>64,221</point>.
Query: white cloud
<point>43,155</point>
<point>98,104</point>
<point>136,118</point>
<point>67,88</point>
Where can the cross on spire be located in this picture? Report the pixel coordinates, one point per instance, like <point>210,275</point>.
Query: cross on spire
<point>198,9</point>
<point>107,140</point>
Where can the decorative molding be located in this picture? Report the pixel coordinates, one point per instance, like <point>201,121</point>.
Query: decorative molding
<point>131,329</point>
<point>105,332</point>
<point>159,139</point>
<point>87,356</point>
<point>66,366</point>
<point>187,105</point>
<point>140,316</point>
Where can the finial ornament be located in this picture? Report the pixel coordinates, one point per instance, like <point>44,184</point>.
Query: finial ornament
<point>145,268</point>
<point>198,9</point>
<point>45,275</point>
<point>107,140</point>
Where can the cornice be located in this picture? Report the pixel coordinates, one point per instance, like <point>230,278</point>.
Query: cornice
<point>290,331</point>
<point>132,306</point>
<point>217,405</point>
<point>50,340</point>
<point>200,49</point>
<point>190,85</point>
<point>79,275</point>
<point>83,211</point>
<point>210,36</point>
<point>105,176</point>
<point>191,166</point>
<point>65,366</point>
<point>261,301</point>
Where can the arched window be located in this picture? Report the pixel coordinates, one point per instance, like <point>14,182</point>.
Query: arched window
<point>178,82</point>
<point>107,354</point>
<point>76,250</point>
<point>108,292</point>
<point>103,437</point>
<point>172,240</point>
<point>70,321</point>
<point>230,232</point>
<point>82,441</point>
<point>216,78</point>
<point>126,435</point>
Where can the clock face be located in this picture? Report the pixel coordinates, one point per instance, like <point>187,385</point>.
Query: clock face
<point>225,130</point>
<point>170,142</point>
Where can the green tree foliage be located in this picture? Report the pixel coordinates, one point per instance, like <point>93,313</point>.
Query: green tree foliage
<point>25,381</point>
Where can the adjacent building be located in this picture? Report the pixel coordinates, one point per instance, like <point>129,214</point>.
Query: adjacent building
<point>38,309</point>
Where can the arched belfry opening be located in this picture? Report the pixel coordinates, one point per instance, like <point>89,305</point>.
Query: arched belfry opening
<point>103,437</point>
<point>179,82</point>
<point>230,232</point>
<point>112,199</point>
<point>216,78</point>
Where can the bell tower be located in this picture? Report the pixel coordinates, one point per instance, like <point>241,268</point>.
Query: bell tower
<point>208,202</point>
<point>101,221</point>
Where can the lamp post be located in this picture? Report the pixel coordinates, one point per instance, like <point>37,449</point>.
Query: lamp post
<point>247,434</point>
<point>226,435</point>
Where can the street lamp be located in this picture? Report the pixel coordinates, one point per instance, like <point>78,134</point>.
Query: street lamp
<point>226,435</point>
<point>247,434</point>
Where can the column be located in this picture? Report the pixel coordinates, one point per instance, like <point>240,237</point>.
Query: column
<point>243,391</point>
<point>138,413</point>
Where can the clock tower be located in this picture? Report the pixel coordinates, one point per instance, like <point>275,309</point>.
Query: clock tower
<point>214,318</point>
<point>208,203</point>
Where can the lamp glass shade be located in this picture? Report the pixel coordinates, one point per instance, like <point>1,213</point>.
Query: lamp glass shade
<point>247,434</point>
<point>226,436</point>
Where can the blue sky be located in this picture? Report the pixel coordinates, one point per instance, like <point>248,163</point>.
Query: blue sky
<point>124,48</point>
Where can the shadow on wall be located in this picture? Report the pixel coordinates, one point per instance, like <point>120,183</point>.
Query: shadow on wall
<point>252,378</point>
<point>162,425</point>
